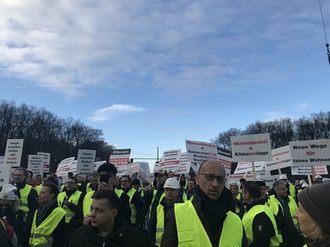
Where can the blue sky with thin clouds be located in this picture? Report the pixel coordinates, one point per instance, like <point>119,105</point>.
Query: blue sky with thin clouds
<point>155,73</point>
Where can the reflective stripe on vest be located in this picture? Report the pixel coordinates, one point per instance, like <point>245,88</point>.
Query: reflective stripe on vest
<point>41,236</point>
<point>130,194</point>
<point>74,198</point>
<point>248,223</point>
<point>24,203</point>
<point>191,232</point>
<point>160,224</point>
<point>274,203</point>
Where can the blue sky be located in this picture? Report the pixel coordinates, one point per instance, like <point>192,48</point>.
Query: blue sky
<point>155,73</point>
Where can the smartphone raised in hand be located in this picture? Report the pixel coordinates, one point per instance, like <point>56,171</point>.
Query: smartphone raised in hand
<point>104,178</point>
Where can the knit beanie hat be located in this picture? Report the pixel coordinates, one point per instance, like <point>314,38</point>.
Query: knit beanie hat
<point>316,201</point>
<point>8,192</point>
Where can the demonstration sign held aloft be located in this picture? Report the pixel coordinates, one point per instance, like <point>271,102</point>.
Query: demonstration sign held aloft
<point>64,167</point>
<point>281,158</point>
<point>307,170</point>
<point>120,158</point>
<point>251,148</point>
<point>85,161</point>
<point>13,153</point>
<point>310,153</point>
<point>36,164</point>
<point>46,161</point>
<point>170,160</point>
<point>198,151</point>
<point>243,167</point>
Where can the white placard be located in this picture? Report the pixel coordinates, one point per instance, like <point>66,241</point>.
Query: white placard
<point>307,170</point>
<point>64,167</point>
<point>36,164</point>
<point>198,151</point>
<point>5,174</point>
<point>310,153</point>
<point>251,147</point>
<point>85,161</point>
<point>144,166</point>
<point>46,165</point>
<point>226,162</point>
<point>2,160</point>
<point>243,167</point>
<point>13,153</point>
<point>120,158</point>
<point>184,166</point>
<point>170,160</point>
<point>281,158</point>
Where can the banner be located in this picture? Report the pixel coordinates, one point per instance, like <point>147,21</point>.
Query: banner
<point>251,147</point>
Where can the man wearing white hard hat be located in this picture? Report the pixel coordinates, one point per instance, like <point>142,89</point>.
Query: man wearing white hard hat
<point>172,192</point>
<point>291,188</point>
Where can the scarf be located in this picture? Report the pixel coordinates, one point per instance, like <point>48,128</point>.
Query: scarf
<point>42,211</point>
<point>214,211</point>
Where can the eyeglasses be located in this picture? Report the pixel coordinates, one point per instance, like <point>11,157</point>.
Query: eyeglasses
<point>124,181</point>
<point>5,205</point>
<point>211,177</point>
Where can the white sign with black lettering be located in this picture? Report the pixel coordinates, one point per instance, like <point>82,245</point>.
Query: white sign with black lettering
<point>251,148</point>
<point>307,170</point>
<point>310,153</point>
<point>85,161</point>
<point>13,153</point>
<point>198,151</point>
<point>46,165</point>
<point>281,158</point>
<point>36,164</point>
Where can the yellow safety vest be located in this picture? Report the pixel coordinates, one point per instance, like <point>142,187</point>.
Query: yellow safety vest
<point>160,224</point>
<point>38,188</point>
<point>41,236</point>
<point>274,203</point>
<point>24,203</point>
<point>185,198</point>
<point>238,197</point>
<point>248,224</point>
<point>191,232</point>
<point>88,188</point>
<point>292,190</point>
<point>74,198</point>
<point>87,202</point>
<point>130,194</point>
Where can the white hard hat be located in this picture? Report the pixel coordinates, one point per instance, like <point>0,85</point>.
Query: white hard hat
<point>318,176</point>
<point>172,183</point>
<point>283,176</point>
<point>304,185</point>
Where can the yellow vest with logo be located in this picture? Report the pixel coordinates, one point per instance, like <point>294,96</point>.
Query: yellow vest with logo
<point>130,194</point>
<point>74,198</point>
<point>248,223</point>
<point>41,236</point>
<point>191,232</point>
<point>274,203</point>
<point>24,203</point>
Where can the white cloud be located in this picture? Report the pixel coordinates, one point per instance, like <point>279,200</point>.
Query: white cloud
<point>109,113</point>
<point>302,106</point>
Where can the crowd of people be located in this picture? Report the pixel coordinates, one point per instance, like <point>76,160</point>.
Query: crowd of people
<point>107,210</point>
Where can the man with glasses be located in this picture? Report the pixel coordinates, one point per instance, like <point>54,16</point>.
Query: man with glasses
<point>69,200</point>
<point>135,201</point>
<point>284,206</point>
<point>208,219</point>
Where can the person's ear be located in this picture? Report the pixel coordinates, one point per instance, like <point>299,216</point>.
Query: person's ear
<point>114,212</point>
